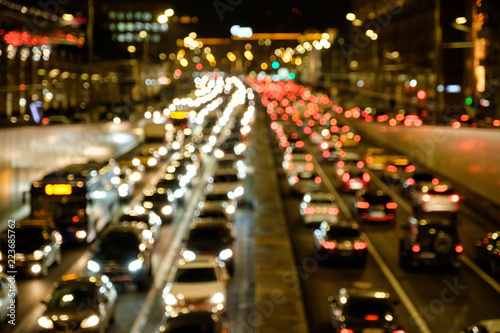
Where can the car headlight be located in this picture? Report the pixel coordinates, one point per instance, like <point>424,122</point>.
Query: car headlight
<point>136,161</point>
<point>91,321</point>
<point>152,162</point>
<point>189,255</point>
<point>176,145</point>
<point>123,190</point>
<point>225,254</point>
<point>238,192</point>
<point>45,322</point>
<point>170,299</point>
<point>93,266</point>
<point>147,204</point>
<point>230,209</point>
<point>38,255</point>
<point>166,210</point>
<point>217,298</point>
<point>135,265</point>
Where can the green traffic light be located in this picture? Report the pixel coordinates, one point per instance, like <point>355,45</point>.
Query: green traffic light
<point>468,101</point>
<point>275,65</point>
<point>291,76</point>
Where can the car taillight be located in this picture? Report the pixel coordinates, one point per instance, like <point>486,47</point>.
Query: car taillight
<point>426,197</point>
<point>309,157</point>
<point>392,168</point>
<point>295,179</point>
<point>338,144</point>
<point>398,331</point>
<point>357,138</point>
<point>410,168</point>
<point>346,330</point>
<point>410,181</point>
<point>343,137</point>
<point>329,245</point>
<point>360,164</point>
<point>291,166</point>
<point>309,166</point>
<point>345,177</point>
<point>391,205</point>
<point>75,219</point>
<point>326,154</point>
<point>369,159</point>
<point>359,246</point>
<point>333,211</point>
<point>317,180</point>
<point>310,210</point>
<point>366,177</point>
<point>340,164</point>
<point>416,248</point>
<point>435,181</point>
<point>440,188</point>
<point>454,198</point>
<point>362,205</point>
<point>371,317</point>
<point>459,249</point>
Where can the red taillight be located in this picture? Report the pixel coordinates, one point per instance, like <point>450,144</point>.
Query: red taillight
<point>426,197</point>
<point>310,210</point>
<point>343,138</point>
<point>333,211</point>
<point>317,180</point>
<point>391,205</point>
<point>359,246</point>
<point>410,168</point>
<point>369,159</point>
<point>338,144</point>
<point>357,138</point>
<point>295,179</point>
<point>486,241</point>
<point>329,245</point>
<point>299,144</point>
<point>398,331</point>
<point>410,181</point>
<point>345,177</point>
<point>392,168</point>
<point>435,181</point>
<point>340,164</point>
<point>309,167</point>
<point>416,248</point>
<point>291,166</point>
<point>326,154</point>
<point>309,157</point>
<point>346,330</point>
<point>362,205</point>
<point>360,164</point>
<point>366,177</point>
<point>454,198</point>
<point>75,219</point>
<point>459,249</point>
<point>371,317</point>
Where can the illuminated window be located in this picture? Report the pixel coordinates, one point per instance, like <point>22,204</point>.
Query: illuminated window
<point>112,15</point>
<point>139,26</point>
<point>164,27</point>
<point>138,16</point>
<point>129,37</point>
<point>147,16</point>
<point>156,38</point>
<point>130,26</point>
<point>121,38</point>
<point>121,26</point>
<point>130,16</point>
<point>120,16</point>
<point>112,26</point>
<point>138,38</point>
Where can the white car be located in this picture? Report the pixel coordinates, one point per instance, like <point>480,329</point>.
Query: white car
<point>317,207</point>
<point>200,284</point>
<point>305,181</point>
<point>8,298</point>
<point>437,198</point>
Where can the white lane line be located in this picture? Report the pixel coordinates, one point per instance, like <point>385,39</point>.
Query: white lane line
<point>401,202</point>
<point>419,321</point>
<point>488,279</point>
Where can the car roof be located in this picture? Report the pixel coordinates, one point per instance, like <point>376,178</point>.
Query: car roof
<point>365,293</point>
<point>320,195</point>
<point>201,261</point>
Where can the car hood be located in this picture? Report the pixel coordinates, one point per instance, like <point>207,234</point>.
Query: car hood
<point>76,314</point>
<point>119,259</point>
<point>207,246</point>
<point>198,289</point>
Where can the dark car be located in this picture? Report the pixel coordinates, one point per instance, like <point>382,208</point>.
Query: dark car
<point>211,238</point>
<point>149,218</point>
<point>375,205</point>
<point>158,200</point>
<point>192,322</point>
<point>37,247</point>
<point>484,326</point>
<point>341,242</point>
<point>80,304</point>
<point>431,240</point>
<point>363,310</point>
<point>488,252</point>
<point>123,255</point>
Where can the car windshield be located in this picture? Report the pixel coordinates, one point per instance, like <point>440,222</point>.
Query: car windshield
<point>73,296</point>
<point>208,234</point>
<point>376,199</point>
<point>342,232</point>
<point>156,198</point>
<point>216,197</point>
<point>30,239</point>
<point>193,275</point>
<point>423,177</point>
<point>116,243</point>
<point>363,307</point>
<point>211,213</point>
<point>321,201</point>
<point>228,178</point>
<point>190,328</point>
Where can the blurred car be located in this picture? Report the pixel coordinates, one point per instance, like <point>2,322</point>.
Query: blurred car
<point>488,252</point>
<point>158,200</point>
<point>200,284</point>
<point>123,255</point>
<point>192,322</point>
<point>349,139</point>
<point>227,180</point>
<point>412,186</point>
<point>124,182</point>
<point>148,157</point>
<point>354,179</point>
<point>437,198</point>
<point>332,154</point>
<point>219,200</point>
<point>297,161</point>
<point>484,326</point>
<point>80,304</point>
<point>150,219</point>
<point>412,120</point>
<point>431,240</point>
<point>305,181</point>
<point>56,120</point>
<point>341,241</point>
<point>202,214</point>
<point>173,188</point>
<point>317,207</point>
<point>210,238</point>
<point>398,169</point>
<point>375,205</point>
<point>37,247</point>
<point>348,160</point>
<point>8,298</point>
<point>355,310</point>
<point>376,158</point>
